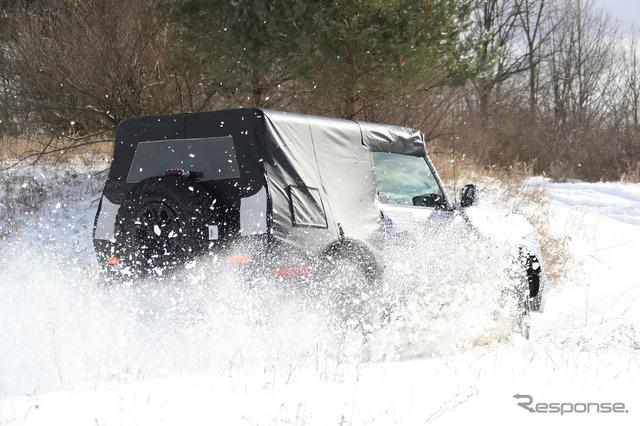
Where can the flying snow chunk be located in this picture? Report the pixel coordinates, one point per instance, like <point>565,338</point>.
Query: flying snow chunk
<point>156,230</point>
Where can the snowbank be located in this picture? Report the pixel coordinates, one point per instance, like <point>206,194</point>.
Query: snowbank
<point>209,350</point>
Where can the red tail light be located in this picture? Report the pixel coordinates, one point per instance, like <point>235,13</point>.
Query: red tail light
<point>285,272</point>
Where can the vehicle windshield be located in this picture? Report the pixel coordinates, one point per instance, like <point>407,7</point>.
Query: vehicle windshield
<point>406,180</point>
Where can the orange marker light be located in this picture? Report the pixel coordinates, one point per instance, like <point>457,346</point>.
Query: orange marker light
<point>285,272</point>
<point>238,258</point>
<point>114,260</point>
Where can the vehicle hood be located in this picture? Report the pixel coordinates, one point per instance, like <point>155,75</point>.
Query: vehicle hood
<point>510,227</point>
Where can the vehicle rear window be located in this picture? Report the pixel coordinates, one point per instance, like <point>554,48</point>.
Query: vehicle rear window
<point>402,177</point>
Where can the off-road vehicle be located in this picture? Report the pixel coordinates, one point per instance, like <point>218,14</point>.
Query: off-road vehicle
<point>275,192</point>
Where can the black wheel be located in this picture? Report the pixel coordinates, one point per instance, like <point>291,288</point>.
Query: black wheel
<point>514,302</point>
<point>352,280</point>
<point>522,322</point>
<point>521,295</point>
<point>162,224</point>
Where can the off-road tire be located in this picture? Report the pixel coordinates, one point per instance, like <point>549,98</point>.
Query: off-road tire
<point>522,319</point>
<point>162,224</point>
<point>354,283</point>
<point>522,323</point>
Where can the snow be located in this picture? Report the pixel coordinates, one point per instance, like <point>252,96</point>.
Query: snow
<point>208,350</point>
<point>606,199</point>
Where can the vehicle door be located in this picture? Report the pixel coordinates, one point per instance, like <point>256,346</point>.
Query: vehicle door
<point>413,204</point>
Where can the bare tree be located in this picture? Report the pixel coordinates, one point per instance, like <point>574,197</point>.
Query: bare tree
<point>84,66</point>
<point>496,23</point>
<point>537,30</point>
<point>630,73</point>
<point>579,66</point>
<point>5,86</point>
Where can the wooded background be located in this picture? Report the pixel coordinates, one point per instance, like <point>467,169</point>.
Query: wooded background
<point>551,85</point>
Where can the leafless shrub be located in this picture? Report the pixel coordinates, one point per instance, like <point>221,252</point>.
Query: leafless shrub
<point>21,197</point>
<point>59,149</point>
<point>79,67</point>
<point>633,172</point>
<point>33,195</point>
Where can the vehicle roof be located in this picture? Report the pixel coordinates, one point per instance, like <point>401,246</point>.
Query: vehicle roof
<point>376,136</point>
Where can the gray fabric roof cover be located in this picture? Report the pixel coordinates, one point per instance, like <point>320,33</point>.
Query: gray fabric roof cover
<point>316,168</point>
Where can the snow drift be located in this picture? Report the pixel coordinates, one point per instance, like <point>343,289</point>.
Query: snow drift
<point>206,346</point>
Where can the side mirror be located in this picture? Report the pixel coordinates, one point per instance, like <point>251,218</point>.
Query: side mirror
<point>468,195</point>
<point>429,200</point>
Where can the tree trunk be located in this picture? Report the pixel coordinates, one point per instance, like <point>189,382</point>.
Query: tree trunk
<point>350,109</point>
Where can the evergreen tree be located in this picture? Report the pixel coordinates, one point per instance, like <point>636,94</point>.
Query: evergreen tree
<point>240,44</point>
<point>352,52</point>
<point>364,51</point>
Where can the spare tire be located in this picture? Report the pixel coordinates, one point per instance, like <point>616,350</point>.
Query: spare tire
<point>162,224</point>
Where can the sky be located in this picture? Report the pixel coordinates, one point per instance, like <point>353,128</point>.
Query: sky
<point>627,11</point>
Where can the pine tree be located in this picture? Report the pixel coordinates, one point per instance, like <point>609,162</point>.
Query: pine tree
<point>355,52</point>
<point>364,51</point>
<point>241,44</point>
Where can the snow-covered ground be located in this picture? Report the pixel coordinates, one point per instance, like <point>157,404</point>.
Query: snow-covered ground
<point>210,351</point>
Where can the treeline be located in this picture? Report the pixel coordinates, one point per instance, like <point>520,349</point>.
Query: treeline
<point>552,84</point>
